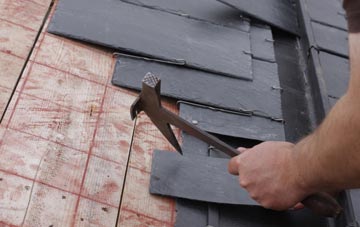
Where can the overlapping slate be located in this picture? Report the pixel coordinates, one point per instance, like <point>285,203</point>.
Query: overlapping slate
<point>208,10</point>
<point>156,34</point>
<point>206,88</point>
<point>174,175</point>
<point>231,124</point>
<point>336,74</point>
<point>328,12</point>
<point>331,39</point>
<point>262,42</point>
<point>280,14</point>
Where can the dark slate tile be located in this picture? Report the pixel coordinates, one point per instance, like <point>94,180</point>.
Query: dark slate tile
<point>280,14</point>
<point>206,88</point>
<point>336,73</point>
<point>239,216</point>
<point>355,198</point>
<point>157,34</point>
<point>208,10</point>
<point>331,39</point>
<point>328,12</point>
<point>196,178</point>
<point>333,101</point>
<point>262,42</point>
<point>193,146</point>
<point>191,213</point>
<point>231,124</point>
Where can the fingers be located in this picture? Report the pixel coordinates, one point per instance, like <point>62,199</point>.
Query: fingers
<point>241,149</point>
<point>298,206</point>
<point>233,166</point>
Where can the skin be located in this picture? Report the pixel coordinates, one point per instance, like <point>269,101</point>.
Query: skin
<point>278,175</point>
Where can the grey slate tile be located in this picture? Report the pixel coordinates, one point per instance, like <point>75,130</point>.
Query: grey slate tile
<point>280,14</point>
<point>188,177</point>
<point>230,124</point>
<point>206,88</point>
<point>208,10</point>
<point>336,73</point>
<point>328,12</point>
<point>156,34</point>
<point>331,39</point>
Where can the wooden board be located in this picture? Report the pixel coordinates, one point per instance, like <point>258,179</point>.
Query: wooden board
<point>209,89</point>
<point>280,14</point>
<point>76,137</point>
<point>20,21</point>
<point>196,178</point>
<point>331,39</point>
<point>235,125</point>
<point>195,43</point>
<point>336,73</point>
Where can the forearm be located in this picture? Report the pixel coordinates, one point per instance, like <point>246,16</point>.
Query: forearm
<point>330,157</point>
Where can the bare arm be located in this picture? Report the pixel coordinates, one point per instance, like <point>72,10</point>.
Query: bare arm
<point>278,174</point>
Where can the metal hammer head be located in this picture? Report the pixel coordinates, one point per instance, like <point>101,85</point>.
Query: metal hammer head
<point>149,101</point>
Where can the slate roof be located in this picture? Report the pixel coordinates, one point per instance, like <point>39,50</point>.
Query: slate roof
<point>274,68</point>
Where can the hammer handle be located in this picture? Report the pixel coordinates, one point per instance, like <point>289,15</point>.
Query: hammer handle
<point>323,204</point>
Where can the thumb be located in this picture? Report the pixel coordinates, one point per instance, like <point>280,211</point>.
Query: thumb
<point>233,166</point>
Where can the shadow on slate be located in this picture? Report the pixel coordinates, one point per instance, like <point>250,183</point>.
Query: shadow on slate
<point>156,34</point>
<point>206,88</point>
<point>280,14</point>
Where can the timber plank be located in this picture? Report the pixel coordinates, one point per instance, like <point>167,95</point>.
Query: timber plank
<point>14,193</point>
<point>188,177</point>
<point>136,199</point>
<point>336,72</point>
<point>280,14</point>
<point>331,39</point>
<point>24,12</point>
<point>235,125</point>
<point>208,10</point>
<point>45,206</point>
<point>209,89</point>
<point>198,44</point>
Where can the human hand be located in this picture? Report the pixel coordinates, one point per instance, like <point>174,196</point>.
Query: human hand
<point>271,175</point>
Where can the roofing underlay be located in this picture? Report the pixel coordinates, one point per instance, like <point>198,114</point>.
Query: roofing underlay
<point>246,71</point>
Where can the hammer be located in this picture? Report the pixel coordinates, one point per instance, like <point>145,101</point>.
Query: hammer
<point>149,101</point>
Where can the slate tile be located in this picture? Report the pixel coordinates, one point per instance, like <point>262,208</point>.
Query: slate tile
<point>331,39</point>
<point>336,72</point>
<point>20,42</point>
<point>23,12</point>
<point>50,207</point>
<point>14,195</point>
<point>225,123</point>
<point>262,42</point>
<point>64,89</point>
<point>114,134</point>
<point>71,57</point>
<point>280,14</point>
<point>218,91</point>
<point>104,181</point>
<point>136,198</point>
<point>93,214</point>
<point>56,123</point>
<point>327,11</point>
<point>203,46</point>
<point>212,11</point>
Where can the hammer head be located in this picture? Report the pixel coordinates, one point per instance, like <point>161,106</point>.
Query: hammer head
<point>149,101</point>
